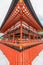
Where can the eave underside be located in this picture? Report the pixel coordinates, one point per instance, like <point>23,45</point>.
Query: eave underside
<point>13,4</point>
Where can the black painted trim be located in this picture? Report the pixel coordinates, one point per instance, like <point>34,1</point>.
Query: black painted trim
<point>12,6</point>
<point>20,50</point>
<point>30,7</point>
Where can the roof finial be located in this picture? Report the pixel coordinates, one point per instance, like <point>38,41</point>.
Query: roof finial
<point>21,0</point>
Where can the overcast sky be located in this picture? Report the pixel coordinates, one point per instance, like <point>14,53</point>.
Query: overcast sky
<point>37,5</point>
<point>4,6</point>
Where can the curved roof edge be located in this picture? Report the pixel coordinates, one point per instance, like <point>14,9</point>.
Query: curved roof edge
<point>13,4</point>
<point>30,7</point>
<point>28,4</point>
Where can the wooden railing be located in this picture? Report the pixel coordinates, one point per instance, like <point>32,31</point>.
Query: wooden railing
<point>23,42</point>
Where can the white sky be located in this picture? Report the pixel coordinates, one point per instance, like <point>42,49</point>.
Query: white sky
<point>4,6</point>
<point>3,59</point>
<point>39,59</point>
<point>38,7</point>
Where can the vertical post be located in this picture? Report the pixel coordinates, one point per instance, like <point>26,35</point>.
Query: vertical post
<point>29,35</point>
<point>21,14</point>
<point>8,37</point>
<point>34,36</point>
<point>21,32</point>
<point>13,38</point>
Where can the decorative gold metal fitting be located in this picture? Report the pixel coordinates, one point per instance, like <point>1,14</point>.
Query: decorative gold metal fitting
<point>20,46</point>
<point>21,0</point>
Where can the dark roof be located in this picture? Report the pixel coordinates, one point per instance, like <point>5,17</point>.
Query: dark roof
<point>28,4</point>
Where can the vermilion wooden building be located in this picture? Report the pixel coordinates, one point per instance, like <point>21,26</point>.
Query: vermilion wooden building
<point>21,42</point>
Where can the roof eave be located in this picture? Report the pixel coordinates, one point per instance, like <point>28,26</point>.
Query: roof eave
<point>29,5</point>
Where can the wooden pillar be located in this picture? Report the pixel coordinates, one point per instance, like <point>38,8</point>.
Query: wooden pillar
<point>29,36</point>
<point>21,13</point>
<point>8,37</point>
<point>34,36</point>
<point>13,38</point>
<point>21,32</point>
